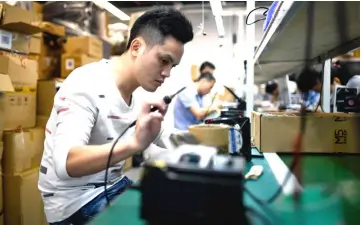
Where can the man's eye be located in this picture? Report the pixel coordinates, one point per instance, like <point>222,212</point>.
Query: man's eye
<point>164,62</point>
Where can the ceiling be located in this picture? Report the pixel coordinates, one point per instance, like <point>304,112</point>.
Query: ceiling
<point>132,4</point>
<point>130,7</point>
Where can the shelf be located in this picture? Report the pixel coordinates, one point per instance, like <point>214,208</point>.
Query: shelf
<point>282,49</point>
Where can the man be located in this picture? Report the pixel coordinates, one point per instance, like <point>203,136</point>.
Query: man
<point>311,79</point>
<point>342,75</point>
<point>189,108</point>
<point>94,106</point>
<point>207,67</point>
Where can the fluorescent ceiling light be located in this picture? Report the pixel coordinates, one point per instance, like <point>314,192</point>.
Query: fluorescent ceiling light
<point>216,7</point>
<point>112,9</point>
<point>220,27</point>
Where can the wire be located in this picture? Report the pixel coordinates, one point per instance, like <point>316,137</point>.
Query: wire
<point>264,14</point>
<point>277,193</point>
<point>108,162</point>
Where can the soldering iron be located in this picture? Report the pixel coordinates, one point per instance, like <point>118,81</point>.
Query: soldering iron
<point>167,100</point>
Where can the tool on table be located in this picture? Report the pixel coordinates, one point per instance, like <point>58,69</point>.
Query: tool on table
<point>167,100</point>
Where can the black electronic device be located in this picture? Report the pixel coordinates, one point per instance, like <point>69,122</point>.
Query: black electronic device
<point>242,125</point>
<point>193,185</point>
<point>346,100</point>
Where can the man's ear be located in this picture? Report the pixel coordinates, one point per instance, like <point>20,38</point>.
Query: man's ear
<point>137,47</point>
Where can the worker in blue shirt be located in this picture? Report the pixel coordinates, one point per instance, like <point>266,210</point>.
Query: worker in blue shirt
<point>189,108</point>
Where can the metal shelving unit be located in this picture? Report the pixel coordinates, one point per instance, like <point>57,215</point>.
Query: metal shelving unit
<point>282,49</point>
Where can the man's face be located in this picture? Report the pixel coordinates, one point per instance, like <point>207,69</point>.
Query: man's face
<point>205,86</point>
<point>153,64</point>
<point>207,70</point>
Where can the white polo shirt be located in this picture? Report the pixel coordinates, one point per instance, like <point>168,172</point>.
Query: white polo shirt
<point>88,110</point>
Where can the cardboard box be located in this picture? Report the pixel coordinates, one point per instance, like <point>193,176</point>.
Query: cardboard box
<point>69,62</point>
<point>1,200</point>
<point>38,8</point>
<point>35,45</point>
<point>18,20</point>
<point>23,150</point>
<point>2,118</point>
<point>21,70</point>
<point>52,28</point>
<point>90,46</point>
<point>46,91</point>
<point>325,132</point>
<point>41,121</point>
<point>1,154</point>
<point>18,108</point>
<point>22,199</point>
<point>19,43</point>
<point>48,66</point>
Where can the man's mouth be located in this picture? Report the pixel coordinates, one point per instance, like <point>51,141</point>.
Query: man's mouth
<point>160,82</point>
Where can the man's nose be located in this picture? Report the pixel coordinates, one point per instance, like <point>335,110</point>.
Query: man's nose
<point>166,72</point>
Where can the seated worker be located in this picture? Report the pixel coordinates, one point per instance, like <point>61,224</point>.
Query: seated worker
<point>94,105</point>
<point>340,75</point>
<point>189,108</point>
<point>311,80</point>
<point>271,96</point>
<point>207,67</point>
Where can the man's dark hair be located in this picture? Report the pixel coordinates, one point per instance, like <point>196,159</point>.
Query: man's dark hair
<point>119,48</point>
<point>271,87</point>
<point>156,24</point>
<point>308,78</point>
<point>342,71</point>
<point>207,76</point>
<point>205,65</point>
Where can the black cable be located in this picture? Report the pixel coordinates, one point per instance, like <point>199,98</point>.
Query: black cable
<point>109,160</point>
<point>274,196</point>
<point>264,14</point>
<point>167,100</point>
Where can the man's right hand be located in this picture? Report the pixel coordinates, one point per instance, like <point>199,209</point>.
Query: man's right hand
<point>149,124</point>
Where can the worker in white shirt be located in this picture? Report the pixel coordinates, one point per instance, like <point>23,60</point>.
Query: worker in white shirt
<point>94,105</point>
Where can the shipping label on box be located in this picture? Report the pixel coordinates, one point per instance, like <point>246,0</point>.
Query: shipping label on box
<point>69,62</point>
<point>19,110</point>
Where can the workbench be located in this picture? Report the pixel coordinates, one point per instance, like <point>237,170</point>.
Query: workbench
<point>341,171</point>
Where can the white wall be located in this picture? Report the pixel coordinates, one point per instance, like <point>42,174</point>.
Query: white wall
<point>206,48</point>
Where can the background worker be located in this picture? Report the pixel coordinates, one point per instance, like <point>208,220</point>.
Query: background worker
<point>189,108</point>
<point>207,67</point>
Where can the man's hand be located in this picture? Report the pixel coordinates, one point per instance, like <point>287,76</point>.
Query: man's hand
<point>218,104</point>
<point>149,123</point>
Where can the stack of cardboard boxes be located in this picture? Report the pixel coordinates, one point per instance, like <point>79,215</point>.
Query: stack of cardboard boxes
<point>76,52</point>
<point>20,140</point>
<point>29,70</point>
